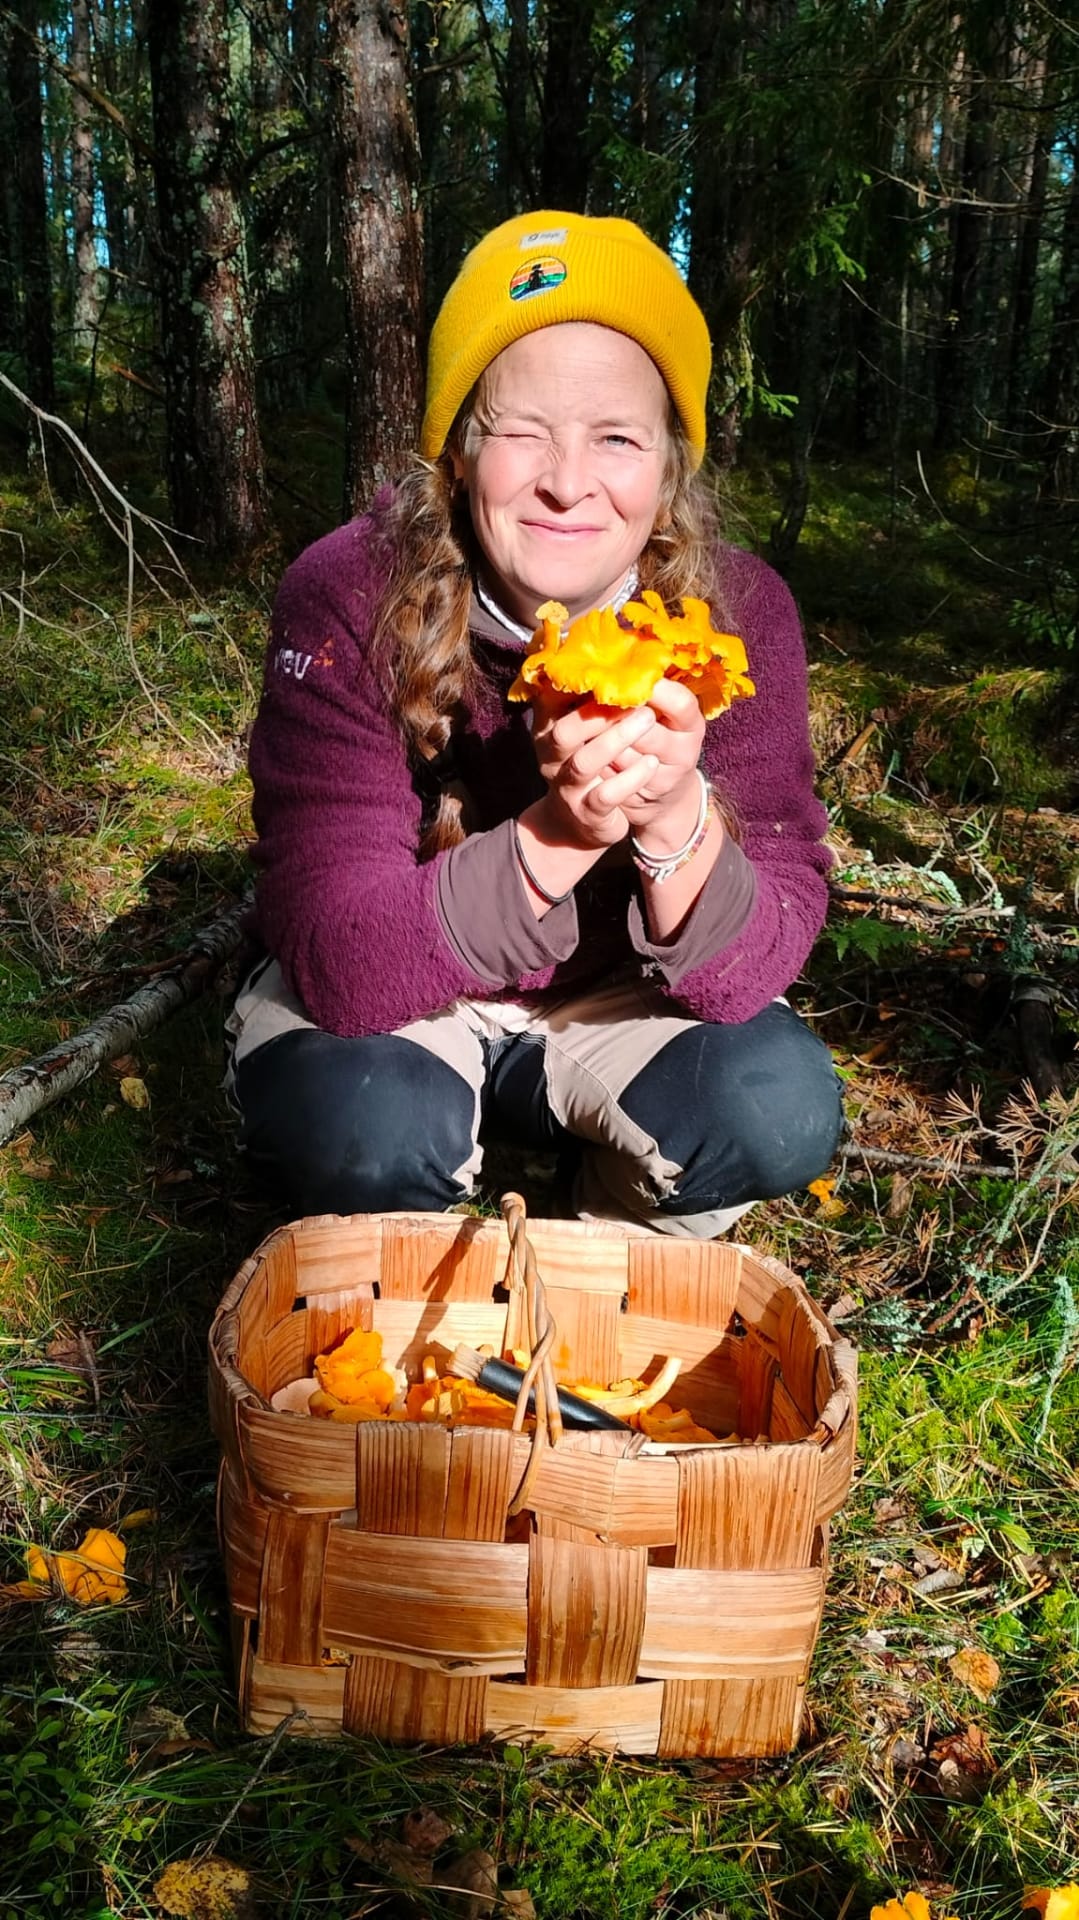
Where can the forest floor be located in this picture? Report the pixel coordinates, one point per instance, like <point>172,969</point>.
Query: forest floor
<point>945,722</point>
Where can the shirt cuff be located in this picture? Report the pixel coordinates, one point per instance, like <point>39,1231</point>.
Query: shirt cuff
<point>716,918</point>
<point>487,916</point>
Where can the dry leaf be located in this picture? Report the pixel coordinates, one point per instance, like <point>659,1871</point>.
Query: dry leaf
<point>142,1517</point>
<point>518,1901</point>
<point>888,1510</point>
<point>470,1884</point>
<point>976,1670</point>
<point>74,1352</point>
<point>134,1092</point>
<point>963,1764</point>
<point>1055,1903</point>
<point>23,1149</point>
<point>943,1580</point>
<point>425,1831</point>
<point>391,1858</point>
<point>123,1065</point>
<point>93,1575</point>
<point>158,1734</point>
<point>901,1196</point>
<point>209,1889</point>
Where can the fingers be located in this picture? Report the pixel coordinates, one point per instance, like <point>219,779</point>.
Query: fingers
<point>616,789</point>
<point>585,742</point>
<point>676,706</point>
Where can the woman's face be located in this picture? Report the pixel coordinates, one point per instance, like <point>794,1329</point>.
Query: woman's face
<point>564,463</point>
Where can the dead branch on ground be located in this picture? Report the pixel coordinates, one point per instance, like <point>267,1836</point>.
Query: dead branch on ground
<point>28,1089</point>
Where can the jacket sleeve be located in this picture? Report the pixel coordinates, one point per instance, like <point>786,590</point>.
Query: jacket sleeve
<point>760,760</point>
<point>361,929</point>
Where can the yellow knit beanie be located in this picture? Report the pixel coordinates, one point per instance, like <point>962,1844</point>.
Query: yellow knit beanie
<point>541,269</point>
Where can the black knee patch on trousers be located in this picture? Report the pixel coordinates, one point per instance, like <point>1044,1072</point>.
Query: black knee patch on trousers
<point>748,1112</point>
<point>370,1125</point>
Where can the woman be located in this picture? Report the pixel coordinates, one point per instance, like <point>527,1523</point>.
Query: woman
<point>564,925</point>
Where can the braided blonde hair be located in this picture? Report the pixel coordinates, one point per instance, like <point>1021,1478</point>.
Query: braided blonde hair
<point>422,631</point>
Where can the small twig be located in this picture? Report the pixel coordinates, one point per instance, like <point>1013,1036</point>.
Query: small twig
<point>92,468</point>
<point>934,1163</point>
<point>844,756</point>
<point>1046,930</point>
<point>90,1363</point>
<point>939,909</point>
<point>284,1726</point>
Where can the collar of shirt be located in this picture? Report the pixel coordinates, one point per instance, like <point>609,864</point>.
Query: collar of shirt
<point>524,634</point>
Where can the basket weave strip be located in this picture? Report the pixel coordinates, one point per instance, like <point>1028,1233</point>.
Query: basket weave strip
<point>750,1718</point>
<point>572,1584</point>
<point>378,1594</point>
<point>242,1525</point>
<point>747,1507</point>
<point>290,1593</point>
<point>389,1701</point>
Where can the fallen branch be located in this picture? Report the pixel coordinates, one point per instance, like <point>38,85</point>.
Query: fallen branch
<point>939,909</point>
<point>890,1162</point>
<point>1041,932</point>
<point>37,1084</point>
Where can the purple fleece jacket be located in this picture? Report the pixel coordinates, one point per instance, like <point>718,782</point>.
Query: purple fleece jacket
<point>369,939</point>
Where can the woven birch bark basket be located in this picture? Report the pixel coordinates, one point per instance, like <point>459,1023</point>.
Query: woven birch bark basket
<point>413,1583</point>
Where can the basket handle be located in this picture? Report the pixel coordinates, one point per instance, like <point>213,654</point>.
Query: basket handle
<point>523,1276</point>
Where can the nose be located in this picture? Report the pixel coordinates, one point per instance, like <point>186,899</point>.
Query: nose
<point>566,476</point>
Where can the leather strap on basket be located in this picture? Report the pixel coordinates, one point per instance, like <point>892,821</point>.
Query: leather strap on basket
<point>523,1276</point>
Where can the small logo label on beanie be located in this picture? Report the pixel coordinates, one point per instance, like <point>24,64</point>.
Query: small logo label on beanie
<point>539,276</point>
<point>544,237</point>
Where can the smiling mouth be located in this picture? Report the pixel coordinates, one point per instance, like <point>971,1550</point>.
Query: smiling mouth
<point>554,526</point>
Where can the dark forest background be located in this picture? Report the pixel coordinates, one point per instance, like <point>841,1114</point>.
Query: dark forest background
<point>227,226</point>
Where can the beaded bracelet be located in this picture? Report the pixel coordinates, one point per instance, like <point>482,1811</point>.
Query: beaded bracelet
<point>552,899</point>
<point>660,867</point>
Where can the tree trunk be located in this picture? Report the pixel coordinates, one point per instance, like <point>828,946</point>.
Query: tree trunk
<point>376,169</point>
<point>56,108</point>
<point>885,245</point>
<point>568,74</point>
<point>86,311</point>
<point>24,84</point>
<point>214,454</point>
<point>1031,220</point>
<point>520,84</point>
<point>10,328</point>
<point>118,58</point>
<point>962,345</point>
<point>786,531</point>
<point>1061,402</point>
<point>915,293</point>
<point>723,237</point>
<point>951,126</point>
<point>281,199</point>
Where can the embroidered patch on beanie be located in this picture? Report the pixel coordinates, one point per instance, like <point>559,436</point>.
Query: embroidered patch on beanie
<point>537,276</point>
